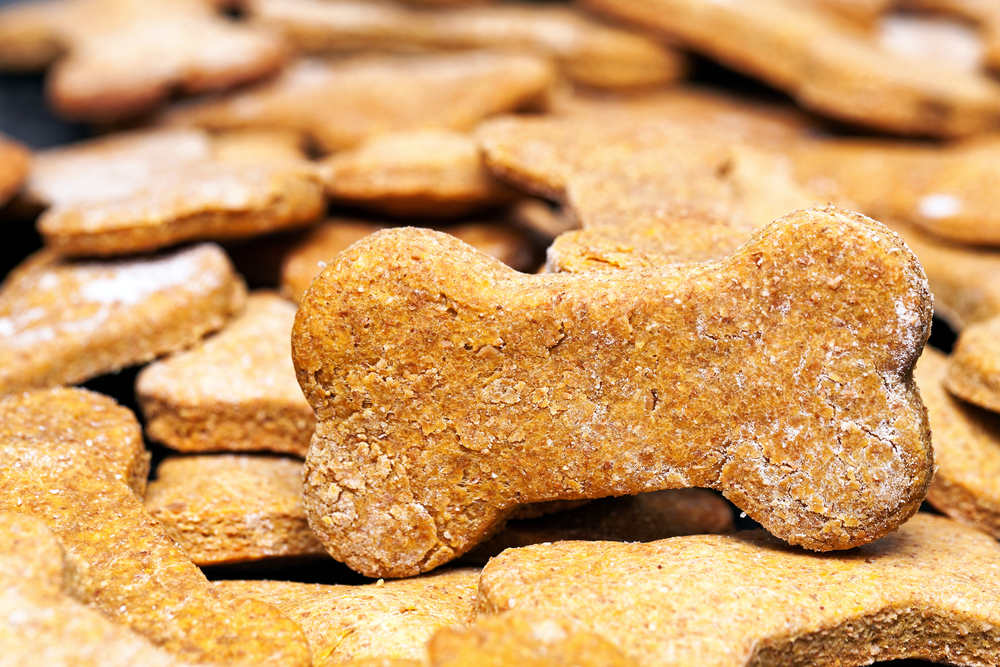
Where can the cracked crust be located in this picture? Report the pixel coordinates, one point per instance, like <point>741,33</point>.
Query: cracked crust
<point>767,375</point>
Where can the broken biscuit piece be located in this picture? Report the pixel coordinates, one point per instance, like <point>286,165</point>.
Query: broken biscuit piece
<point>392,619</point>
<point>232,509</point>
<point>116,59</point>
<point>767,375</point>
<point>69,455</point>
<point>65,321</point>
<point>746,598</point>
<point>337,104</point>
<point>234,392</point>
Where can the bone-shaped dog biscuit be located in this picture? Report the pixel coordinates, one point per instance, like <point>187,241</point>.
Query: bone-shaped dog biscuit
<point>73,460</point>
<point>926,591</point>
<point>780,375</point>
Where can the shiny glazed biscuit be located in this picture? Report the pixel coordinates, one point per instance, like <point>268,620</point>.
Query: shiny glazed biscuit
<point>309,257</point>
<point>587,51</point>
<point>974,368</point>
<point>120,58</point>
<point>232,509</point>
<point>527,640</point>
<point>965,280</point>
<point>71,456</point>
<point>14,166</point>
<point>382,620</point>
<point>65,321</point>
<point>748,599</point>
<point>486,388</point>
<point>236,391</point>
<point>966,450</point>
<point>337,104</point>
<point>424,173</point>
<point>826,67</point>
<point>947,191</point>
<point>642,518</point>
<point>40,619</point>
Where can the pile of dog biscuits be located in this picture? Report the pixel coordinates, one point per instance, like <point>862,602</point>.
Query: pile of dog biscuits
<point>457,333</point>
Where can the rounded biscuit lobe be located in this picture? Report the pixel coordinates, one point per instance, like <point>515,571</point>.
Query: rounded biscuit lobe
<point>116,59</point>
<point>65,450</point>
<point>974,365</point>
<point>383,620</point>
<point>587,51</point>
<point>424,173</point>
<point>232,509</point>
<point>827,67</point>
<point>235,391</point>
<point>15,162</point>
<point>67,321</point>
<point>337,104</point>
<point>746,598</point>
<point>780,375</point>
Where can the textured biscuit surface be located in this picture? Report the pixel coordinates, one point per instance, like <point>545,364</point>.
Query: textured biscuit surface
<point>382,620</point>
<point>974,366</point>
<point>588,52</point>
<point>232,509</point>
<point>337,104</point>
<point>14,165</point>
<point>426,173</point>
<point>780,376</point>
<point>747,599</point>
<point>121,58</point>
<point>826,67</point>
<point>236,391</point>
<point>72,457</point>
<point>66,321</point>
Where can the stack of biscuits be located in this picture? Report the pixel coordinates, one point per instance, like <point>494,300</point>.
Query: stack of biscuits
<point>449,333</point>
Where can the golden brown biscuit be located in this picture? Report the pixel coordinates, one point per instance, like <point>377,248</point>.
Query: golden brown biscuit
<point>305,261</point>
<point>65,322</point>
<point>780,376</point>
<point>235,392</point>
<point>965,280</point>
<point>120,58</point>
<point>937,39</point>
<point>828,68</point>
<point>642,518</point>
<point>974,366</point>
<point>588,52</point>
<point>527,640</point>
<point>14,165</point>
<point>423,173</point>
<point>391,619</point>
<point>948,191</point>
<point>133,201</point>
<point>863,13</point>
<point>337,104</point>
<point>966,450</point>
<point>537,216</point>
<point>70,455</point>
<point>232,509</point>
<point>984,13</point>
<point>748,599</point>
<point>39,621</point>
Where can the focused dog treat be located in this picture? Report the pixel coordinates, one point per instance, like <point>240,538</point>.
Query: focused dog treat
<point>966,450</point>
<point>429,173</point>
<point>14,165</point>
<point>974,367</point>
<point>232,509</point>
<point>642,518</point>
<point>66,321</point>
<point>120,58</point>
<point>74,459</point>
<point>826,67</point>
<point>41,620</point>
<point>338,104</point>
<point>386,619</point>
<point>236,391</point>
<point>748,599</point>
<point>486,388</point>
<point>587,51</point>
<point>530,640</point>
<point>948,191</point>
